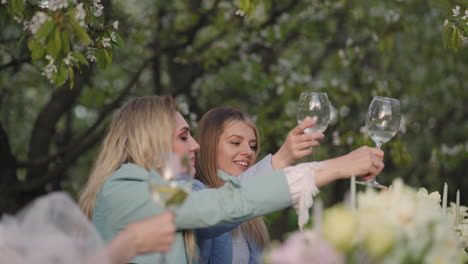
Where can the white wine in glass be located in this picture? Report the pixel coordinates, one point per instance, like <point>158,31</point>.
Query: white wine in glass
<point>175,184</point>
<point>315,106</point>
<point>382,122</point>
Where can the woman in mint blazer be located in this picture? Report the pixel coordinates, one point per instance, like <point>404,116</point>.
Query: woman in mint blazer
<point>116,193</point>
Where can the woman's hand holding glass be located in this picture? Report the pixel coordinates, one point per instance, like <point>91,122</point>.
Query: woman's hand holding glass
<point>362,161</point>
<point>297,145</point>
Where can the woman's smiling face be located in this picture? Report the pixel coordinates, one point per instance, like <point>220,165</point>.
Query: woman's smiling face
<point>237,148</point>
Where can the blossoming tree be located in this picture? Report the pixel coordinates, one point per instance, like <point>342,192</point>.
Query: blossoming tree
<point>206,54</point>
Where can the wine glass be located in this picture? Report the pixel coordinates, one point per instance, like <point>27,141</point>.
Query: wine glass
<point>317,107</point>
<point>382,122</point>
<point>174,184</point>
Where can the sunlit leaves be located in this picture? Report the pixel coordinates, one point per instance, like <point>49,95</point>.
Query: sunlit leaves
<point>17,7</point>
<point>104,58</point>
<point>45,30</point>
<point>452,38</point>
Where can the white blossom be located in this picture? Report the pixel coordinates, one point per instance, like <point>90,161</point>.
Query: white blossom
<point>113,37</point>
<point>97,8</point>
<point>49,69</point>
<point>106,42</point>
<point>446,22</point>
<point>90,54</point>
<point>240,13</point>
<point>55,5</point>
<point>4,1</point>
<point>116,25</point>
<point>466,15</point>
<point>456,11</point>
<point>36,22</point>
<point>69,59</point>
<point>80,14</point>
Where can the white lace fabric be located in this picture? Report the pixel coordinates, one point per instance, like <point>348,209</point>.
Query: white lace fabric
<point>301,181</point>
<point>52,229</point>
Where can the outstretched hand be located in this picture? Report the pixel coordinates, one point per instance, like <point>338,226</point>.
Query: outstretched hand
<point>364,161</point>
<point>150,235</point>
<point>154,234</point>
<point>296,146</point>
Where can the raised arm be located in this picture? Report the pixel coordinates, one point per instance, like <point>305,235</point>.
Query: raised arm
<point>296,146</point>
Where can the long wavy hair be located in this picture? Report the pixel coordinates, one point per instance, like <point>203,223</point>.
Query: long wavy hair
<point>209,131</point>
<point>140,130</point>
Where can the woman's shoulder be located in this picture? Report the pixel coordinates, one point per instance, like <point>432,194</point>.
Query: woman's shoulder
<point>130,172</point>
<point>197,185</point>
<point>129,176</point>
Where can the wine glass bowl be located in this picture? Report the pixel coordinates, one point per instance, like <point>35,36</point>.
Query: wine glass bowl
<point>383,119</point>
<point>316,106</point>
<point>382,123</point>
<point>175,183</point>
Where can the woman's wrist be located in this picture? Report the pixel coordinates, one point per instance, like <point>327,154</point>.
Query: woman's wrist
<point>330,172</point>
<point>277,162</point>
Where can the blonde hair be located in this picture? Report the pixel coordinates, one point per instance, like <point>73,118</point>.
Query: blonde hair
<point>140,130</point>
<point>210,128</point>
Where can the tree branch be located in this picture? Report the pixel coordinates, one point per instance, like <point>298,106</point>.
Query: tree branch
<point>105,111</point>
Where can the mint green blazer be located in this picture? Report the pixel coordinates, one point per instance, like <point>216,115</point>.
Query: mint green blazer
<point>125,198</point>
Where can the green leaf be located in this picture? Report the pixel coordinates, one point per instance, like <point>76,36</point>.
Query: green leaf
<point>447,35</point>
<point>71,76</point>
<point>465,27</point>
<point>17,7</point>
<point>61,76</point>
<point>244,5</point>
<point>103,58</point>
<point>20,42</point>
<point>54,44</point>
<point>80,32</point>
<point>455,40</point>
<point>65,37</point>
<point>80,58</point>
<point>45,30</point>
<point>118,40</point>
<point>36,48</point>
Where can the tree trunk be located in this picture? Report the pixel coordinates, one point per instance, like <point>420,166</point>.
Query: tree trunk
<point>9,200</point>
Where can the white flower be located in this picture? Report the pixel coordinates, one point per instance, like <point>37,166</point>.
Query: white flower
<point>446,22</point>
<point>240,13</point>
<point>67,60</point>
<point>466,15</point>
<point>113,37</point>
<point>116,25</point>
<point>36,22</point>
<point>80,14</point>
<point>97,8</point>
<point>90,54</point>
<point>55,5</point>
<point>4,1</point>
<point>106,42</point>
<point>456,11</point>
<point>49,69</point>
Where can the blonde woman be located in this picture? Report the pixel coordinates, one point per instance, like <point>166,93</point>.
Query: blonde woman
<point>116,193</point>
<point>230,142</point>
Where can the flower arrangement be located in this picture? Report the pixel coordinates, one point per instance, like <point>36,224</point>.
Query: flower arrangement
<point>398,225</point>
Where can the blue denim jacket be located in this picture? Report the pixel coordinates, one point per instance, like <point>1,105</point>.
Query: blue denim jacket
<point>215,243</point>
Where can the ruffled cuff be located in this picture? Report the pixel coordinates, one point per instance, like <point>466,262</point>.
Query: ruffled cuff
<point>301,181</point>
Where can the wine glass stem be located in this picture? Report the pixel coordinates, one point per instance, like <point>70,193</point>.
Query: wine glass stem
<point>379,145</point>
